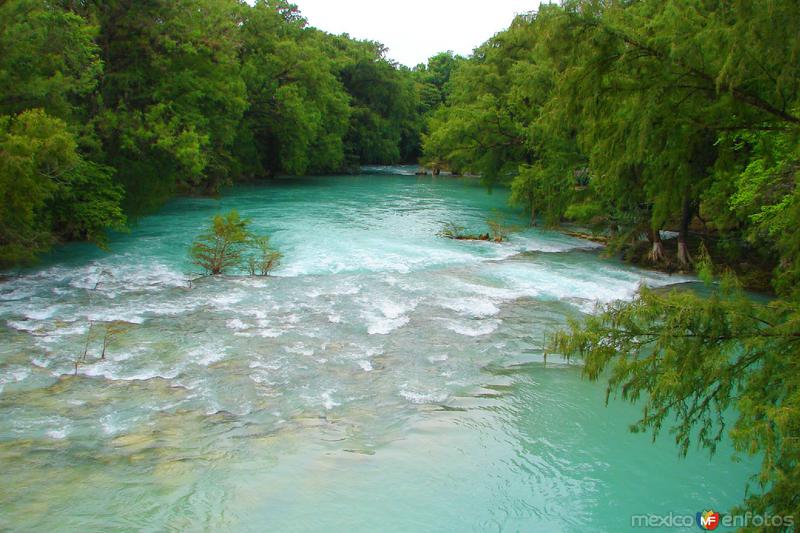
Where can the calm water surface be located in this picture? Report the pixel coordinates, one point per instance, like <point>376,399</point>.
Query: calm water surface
<point>385,380</point>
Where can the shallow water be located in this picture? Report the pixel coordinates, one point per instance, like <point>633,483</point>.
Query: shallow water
<point>384,380</point>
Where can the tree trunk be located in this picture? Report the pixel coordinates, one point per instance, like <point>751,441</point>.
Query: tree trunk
<point>533,212</point>
<point>656,254</point>
<point>684,258</point>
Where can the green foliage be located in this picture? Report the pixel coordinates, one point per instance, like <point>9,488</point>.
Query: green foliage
<point>172,97</point>
<point>262,259</point>
<point>653,108</point>
<point>434,78</point>
<point>652,115</point>
<point>433,84</point>
<point>587,212</point>
<point>167,97</point>
<point>690,358</point>
<point>544,188</point>
<point>686,108</point>
<point>222,246</point>
<point>642,116</point>
<point>384,125</point>
<point>766,195</point>
<point>499,229</point>
<point>87,204</point>
<point>299,110</point>
<point>451,230</point>
<point>48,190</point>
<point>48,58</point>
<point>496,121</point>
<point>228,244</point>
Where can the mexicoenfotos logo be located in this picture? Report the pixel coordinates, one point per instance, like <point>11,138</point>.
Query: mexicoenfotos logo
<point>711,520</point>
<point>708,520</point>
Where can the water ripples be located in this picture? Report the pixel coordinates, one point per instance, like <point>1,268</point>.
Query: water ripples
<point>384,370</point>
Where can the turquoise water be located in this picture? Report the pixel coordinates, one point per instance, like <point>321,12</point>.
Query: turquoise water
<point>384,380</point>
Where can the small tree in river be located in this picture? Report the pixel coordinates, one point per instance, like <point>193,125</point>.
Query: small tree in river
<point>262,259</point>
<point>222,245</point>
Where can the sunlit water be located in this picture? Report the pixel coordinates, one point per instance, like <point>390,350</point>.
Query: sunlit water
<point>385,379</point>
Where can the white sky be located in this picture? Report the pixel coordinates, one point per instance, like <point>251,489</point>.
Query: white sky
<point>414,30</point>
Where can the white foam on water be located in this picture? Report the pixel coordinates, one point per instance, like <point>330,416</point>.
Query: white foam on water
<point>271,365</point>
<point>60,291</point>
<point>121,274</point>
<point>549,242</point>
<point>377,325</point>
<point>258,314</point>
<point>75,329</point>
<point>327,400</point>
<point>137,351</point>
<point>173,307</point>
<point>42,314</point>
<point>58,334</point>
<point>299,348</point>
<point>347,288</point>
<point>41,363</point>
<point>351,250</point>
<point>472,328</point>
<point>261,377</point>
<point>265,333</point>
<point>13,375</point>
<point>24,325</point>
<point>112,371</point>
<point>373,351</point>
<point>57,434</point>
<point>394,309</point>
<point>21,293</point>
<point>488,291</point>
<point>269,333</point>
<point>236,324</point>
<point>366,366</point>
<point>109,426</point>
<point>417,397</point>
<point>120,315</point>
<point>206,355</point>
<point>228,299</point>
<point>257,282</point>
<point>383,316</point>
<point>475,307</point>
<point>438,358</point>
<point>581,285</point>
<point>585,306</point>
<point>393,170</point>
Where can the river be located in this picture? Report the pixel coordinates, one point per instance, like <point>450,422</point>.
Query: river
<point>385,379</point>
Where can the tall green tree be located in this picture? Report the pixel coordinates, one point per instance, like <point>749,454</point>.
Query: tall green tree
<point>49,191</point>
<point>172,96</point>
<point>298,110</point>
<point>496,121</point>
<point>384,125</point>
<point>48,59</point>
<point>434,78</point>
<point>650,86</point>
<point>694,105</point>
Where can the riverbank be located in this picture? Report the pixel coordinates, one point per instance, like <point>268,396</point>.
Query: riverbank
<point>752,268</point>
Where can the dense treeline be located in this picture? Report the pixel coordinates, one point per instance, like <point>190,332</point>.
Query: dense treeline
<point>636,116</point>
<point>633,116</point>
<point>647,115</point>
<point>108,108</point>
